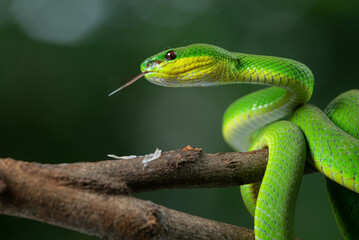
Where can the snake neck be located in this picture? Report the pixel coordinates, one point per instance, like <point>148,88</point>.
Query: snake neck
<point>285,73</point>
<point>292,83</point>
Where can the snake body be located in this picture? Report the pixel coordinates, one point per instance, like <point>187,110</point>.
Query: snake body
<point>252,123</point>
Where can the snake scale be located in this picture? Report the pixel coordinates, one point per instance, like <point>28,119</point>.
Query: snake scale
<point>328,140</point>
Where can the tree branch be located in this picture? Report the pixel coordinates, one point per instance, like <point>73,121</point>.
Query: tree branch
<point>92,197</point>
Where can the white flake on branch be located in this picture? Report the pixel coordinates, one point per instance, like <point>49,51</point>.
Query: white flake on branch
<point>146,159</point>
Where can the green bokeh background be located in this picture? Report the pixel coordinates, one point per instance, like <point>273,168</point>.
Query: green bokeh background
<point>60,59</point>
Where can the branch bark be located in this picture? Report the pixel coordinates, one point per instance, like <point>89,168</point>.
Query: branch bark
<point>94,198</point>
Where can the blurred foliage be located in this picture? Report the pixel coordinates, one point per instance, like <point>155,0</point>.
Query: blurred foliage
<point>60,59</point>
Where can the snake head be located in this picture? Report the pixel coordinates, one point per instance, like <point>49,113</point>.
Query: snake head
<point>190,66</point>
<point>193,65</point>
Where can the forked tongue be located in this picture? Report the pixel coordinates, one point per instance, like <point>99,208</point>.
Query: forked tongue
<point>129,82</point>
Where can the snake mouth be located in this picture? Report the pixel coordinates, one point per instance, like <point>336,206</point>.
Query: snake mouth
<point>163,79</point>
<point>142,74</point>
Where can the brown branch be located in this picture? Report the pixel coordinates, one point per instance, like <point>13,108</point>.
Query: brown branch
<point>183,168</point>
<point>91,197</point>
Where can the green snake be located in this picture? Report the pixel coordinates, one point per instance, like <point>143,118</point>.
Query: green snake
<point>329,141</point>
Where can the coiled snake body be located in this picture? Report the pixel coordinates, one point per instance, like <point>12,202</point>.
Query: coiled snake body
<point>328,140</point>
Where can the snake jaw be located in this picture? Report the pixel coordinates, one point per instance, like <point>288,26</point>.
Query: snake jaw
<point>163,79</point>
<point>179,73</point>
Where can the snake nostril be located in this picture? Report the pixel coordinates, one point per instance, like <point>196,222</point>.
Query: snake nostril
<point>152,63</point>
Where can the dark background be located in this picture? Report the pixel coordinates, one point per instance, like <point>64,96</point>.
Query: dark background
<point>60,59</point>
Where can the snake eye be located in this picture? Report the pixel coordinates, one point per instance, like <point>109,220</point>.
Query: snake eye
<point>171,55</point>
